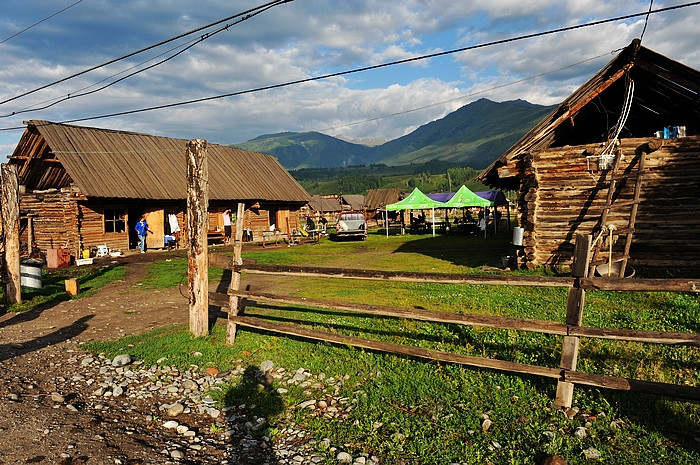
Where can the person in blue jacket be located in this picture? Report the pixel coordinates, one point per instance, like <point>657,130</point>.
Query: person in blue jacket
<point>142,230</point>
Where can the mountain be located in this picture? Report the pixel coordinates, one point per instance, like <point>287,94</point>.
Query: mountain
<point>309,150</point>
<point>474,135</point>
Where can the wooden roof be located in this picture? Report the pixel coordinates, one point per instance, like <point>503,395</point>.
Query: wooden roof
<point>665,94</point>
<point>321,204</point>
<point>379,198</point>
<point>107,163</point>
<point>355,201</point>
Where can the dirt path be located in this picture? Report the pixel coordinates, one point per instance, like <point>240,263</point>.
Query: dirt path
<point>116,310</point>
<point>38,357</point>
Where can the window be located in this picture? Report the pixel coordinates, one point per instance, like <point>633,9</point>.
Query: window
<point>115,221</point>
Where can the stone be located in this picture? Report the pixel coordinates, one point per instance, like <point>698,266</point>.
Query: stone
<point>175,409</point>
<point>171,424</point>
<point>344,457</point>
<point>580,432</point>
<point>486,424</point>
<point>58,398</point>
<point>266,366</point>
<point>121,360</point>
<point>591,453</point>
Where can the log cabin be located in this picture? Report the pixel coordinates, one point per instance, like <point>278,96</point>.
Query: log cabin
<point>619,159</point>
<point>82,188</point>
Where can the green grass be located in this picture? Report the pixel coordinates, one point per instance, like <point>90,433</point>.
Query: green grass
<point>53,289</point>
<point>413,411</point>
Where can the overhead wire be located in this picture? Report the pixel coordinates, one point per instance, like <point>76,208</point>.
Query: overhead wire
<point>469,95</point>
<point>370,67</point>
<point>646,21</point>
<point>184,47</point>
<point>39,22</point>
<point>150,47</point>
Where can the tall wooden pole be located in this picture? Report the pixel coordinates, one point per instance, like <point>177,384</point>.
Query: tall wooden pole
<point>197,258</point>
<point>574,318</point>
<point>10,221</point>
<point>234,301</point>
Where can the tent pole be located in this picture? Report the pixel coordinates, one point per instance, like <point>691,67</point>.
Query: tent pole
<point>386,222</point>
<point>433,221</point>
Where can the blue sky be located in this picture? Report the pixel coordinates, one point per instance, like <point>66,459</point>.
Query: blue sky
<point>306,38</point>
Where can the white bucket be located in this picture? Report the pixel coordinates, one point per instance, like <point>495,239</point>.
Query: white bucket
<point>518,235</point>
<point>30,274</point>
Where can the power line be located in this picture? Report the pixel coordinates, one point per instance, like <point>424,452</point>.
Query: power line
<point>462,97</point>
<point>39,22</point>
<point>646,21</point>
<point>382,65</point>
<point>186,46</point>
<point>150,47</point>
<point>371,67</point>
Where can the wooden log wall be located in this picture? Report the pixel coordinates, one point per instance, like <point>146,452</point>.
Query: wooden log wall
<point>561,197</point>
<point>92,229</point>
<point>55,222</point>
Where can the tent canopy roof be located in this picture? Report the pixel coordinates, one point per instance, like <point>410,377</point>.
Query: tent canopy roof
<point>416,200</point>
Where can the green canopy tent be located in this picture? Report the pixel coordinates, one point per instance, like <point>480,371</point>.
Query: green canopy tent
<point>416,200</point>
<point>465,198</point>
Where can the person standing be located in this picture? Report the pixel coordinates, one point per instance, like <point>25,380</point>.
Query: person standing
<point>226,215</point>
<point>142,230</point>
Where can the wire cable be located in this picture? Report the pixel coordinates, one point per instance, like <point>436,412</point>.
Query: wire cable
<point>38,22</point>
<point>187,46</point>
<point>646,21</point>
<point>472,94</point>
<point>371,67</point>
<point>150,47</point>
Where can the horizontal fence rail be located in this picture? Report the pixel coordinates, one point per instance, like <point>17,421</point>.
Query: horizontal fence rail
<point>566,374</point>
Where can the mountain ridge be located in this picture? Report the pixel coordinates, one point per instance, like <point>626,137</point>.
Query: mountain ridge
<point>474,135</point>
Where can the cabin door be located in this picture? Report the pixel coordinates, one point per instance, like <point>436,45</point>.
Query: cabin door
<point>283,221</point>
<point>156,223</point>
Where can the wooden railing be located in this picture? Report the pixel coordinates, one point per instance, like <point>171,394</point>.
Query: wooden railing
<point>571,329</point>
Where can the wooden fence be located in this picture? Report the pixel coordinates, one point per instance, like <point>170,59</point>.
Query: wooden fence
<point>571,329</point>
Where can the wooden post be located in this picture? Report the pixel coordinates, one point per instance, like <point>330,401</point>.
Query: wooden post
<point>10,220</point>
<point>197,258</point>
<point>30,234</point>
<point>234,286</point>
<point>574,317</point>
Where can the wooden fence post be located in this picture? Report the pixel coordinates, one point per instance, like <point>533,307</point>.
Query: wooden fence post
<point>10,219</point>
<point>574,317</point>
<point>234,286</point>
<point>197,258</point>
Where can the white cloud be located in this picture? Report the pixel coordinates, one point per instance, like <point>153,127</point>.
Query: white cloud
<point>302,39</point>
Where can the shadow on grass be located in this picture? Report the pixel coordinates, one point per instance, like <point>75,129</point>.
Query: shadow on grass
<point>462,250</point>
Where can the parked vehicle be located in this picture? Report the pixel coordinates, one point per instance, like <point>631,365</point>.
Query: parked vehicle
<point>351,224</point>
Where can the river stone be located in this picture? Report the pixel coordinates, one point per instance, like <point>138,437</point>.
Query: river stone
<point>266,366</point>
<point>171,424</point>
<point>344,457</point>
<point>175,409</point>
<point>121,360</point>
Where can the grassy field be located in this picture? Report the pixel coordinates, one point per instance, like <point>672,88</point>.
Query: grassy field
<point>413,411</point>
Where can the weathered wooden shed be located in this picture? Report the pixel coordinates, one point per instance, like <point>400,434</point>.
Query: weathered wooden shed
<point>618,159</point>
<point>85,187</point>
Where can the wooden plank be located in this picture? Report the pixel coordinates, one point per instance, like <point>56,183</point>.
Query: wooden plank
<point>643,285</point>
<point>481,362</point>
<point>411,277</point>
<point>574,317</point>
<point>197,263</point>
<point>489,321</point>
<point>234,285</point>
<point>625,384</point>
